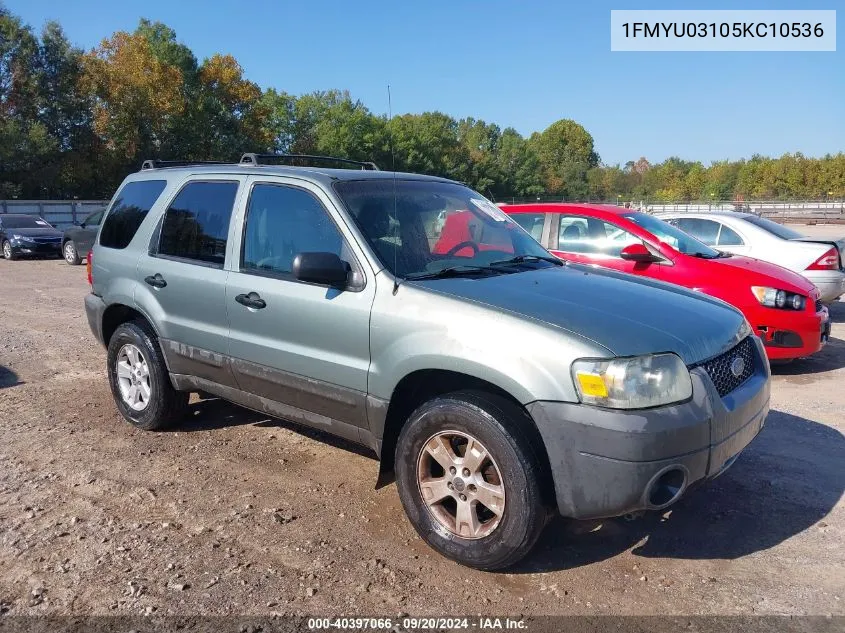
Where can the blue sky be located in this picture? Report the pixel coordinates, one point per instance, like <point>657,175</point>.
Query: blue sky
<point>521,64</point>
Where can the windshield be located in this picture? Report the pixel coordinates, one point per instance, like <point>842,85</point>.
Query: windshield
<point>677,239</point>
<point>774,228</point>
<point>419,227</point>
<point>24,222</point>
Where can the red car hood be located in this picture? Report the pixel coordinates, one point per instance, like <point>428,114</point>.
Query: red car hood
<point>778,277</point>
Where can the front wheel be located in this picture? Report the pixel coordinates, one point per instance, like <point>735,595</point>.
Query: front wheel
<point>139,380</point>
<point>470,479</point>
<point>71,255</point>
<point>8,253</point>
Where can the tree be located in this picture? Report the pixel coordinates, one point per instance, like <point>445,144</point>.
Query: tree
<point>136,96</point>
<point>279,123</point>
<point>233,114</point>
<point>66,113</point>
<point>565,151</point>
<point>518,166</point>
<point>480,140</point>
<point>335,125</point>
<point>428,143</point>
<point>27,146</point>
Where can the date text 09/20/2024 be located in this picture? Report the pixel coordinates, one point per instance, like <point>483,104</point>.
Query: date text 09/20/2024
<point>417,623</point>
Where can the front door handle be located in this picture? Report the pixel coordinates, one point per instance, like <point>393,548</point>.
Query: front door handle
<point>156,281</point>
<point>251,300</point>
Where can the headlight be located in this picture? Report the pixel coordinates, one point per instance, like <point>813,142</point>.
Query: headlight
<point>774,298</point>
<point>632,383</point>
<point>20,238</point>
<point>745,329</point>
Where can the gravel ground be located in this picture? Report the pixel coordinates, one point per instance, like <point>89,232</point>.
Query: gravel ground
<point>236,513</point>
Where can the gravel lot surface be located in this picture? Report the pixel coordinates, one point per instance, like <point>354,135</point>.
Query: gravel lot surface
<point>237,513</point>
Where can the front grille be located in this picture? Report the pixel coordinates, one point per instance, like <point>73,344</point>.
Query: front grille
<point>719,368</point>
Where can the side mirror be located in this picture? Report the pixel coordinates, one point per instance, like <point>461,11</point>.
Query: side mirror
<point>637,252</point>
<point>320,268</point>
<point>82,226</point>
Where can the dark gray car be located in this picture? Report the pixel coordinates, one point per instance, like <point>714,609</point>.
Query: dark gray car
<point>78,240</point>
<point>409,314</point>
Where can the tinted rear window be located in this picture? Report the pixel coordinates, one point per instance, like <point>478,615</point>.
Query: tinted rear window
<point>774,228</point>
<point>129,209</point>
<point>196,224</point>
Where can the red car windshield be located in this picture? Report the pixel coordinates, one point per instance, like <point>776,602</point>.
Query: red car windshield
<point>419,228</point>
<point>677,239</point>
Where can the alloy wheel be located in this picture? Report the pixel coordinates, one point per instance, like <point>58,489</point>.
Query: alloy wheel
<point>133,377</point>
<point>460,484</point>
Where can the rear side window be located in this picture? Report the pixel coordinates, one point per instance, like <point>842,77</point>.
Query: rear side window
<point>129,209</point>
<point>774,228</point>
<point>531,222</point>
<point>592,236</point>
<point>94,219</point>
<point>729,237</point>
<point>705,230</point>
<point>196,224</point>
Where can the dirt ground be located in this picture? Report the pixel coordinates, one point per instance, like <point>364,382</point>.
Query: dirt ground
<point>235,513</point>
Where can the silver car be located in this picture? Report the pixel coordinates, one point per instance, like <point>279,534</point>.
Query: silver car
<point>821,261</point>
<point>493,381</point>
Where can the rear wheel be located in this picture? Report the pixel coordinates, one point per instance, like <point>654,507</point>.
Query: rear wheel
<point>8,253</point>
<point>470,480</point>
<point>71,255</point>
<point>139,380</point>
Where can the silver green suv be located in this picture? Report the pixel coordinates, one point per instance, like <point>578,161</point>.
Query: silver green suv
<point>409,314</point>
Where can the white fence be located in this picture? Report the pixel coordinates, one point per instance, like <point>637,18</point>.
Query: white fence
<point>59,213</point>
<point>791,210</point>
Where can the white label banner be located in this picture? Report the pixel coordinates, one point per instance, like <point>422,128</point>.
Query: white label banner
<point>729,30</point>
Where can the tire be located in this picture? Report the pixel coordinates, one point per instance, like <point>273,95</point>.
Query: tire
<point>164,405</point>
<point>498,426</point>
<point>8,251</point>
<point>70,253</point>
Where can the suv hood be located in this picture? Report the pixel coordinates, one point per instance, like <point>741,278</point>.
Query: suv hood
<point>627,315</point>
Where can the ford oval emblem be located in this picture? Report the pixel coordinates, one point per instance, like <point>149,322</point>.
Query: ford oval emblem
<point>737,366</point>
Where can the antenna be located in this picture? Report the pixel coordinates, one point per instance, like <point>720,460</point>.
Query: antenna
<point>396,237</point>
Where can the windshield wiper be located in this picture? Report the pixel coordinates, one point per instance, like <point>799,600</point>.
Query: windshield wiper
<point>451,271</point>
<point>521,259</point>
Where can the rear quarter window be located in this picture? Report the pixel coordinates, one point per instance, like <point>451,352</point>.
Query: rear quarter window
<point>130,207</point>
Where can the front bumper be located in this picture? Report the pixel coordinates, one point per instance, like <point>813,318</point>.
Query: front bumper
<point>31,249</point>
<point>609,462</point>
<point>788,334</point>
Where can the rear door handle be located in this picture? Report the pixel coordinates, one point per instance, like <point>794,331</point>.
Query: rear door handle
<point>156,281</point>
<point>251,300</point>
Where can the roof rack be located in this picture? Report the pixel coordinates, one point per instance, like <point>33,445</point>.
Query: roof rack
<point>267,159</point>
<point>159,164</point>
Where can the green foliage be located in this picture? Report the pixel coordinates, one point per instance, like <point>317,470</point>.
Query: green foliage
<point>74,123</point>
<point>565,151</point>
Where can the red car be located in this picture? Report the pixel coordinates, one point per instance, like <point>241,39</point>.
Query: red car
<point>782,307</point>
